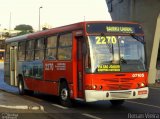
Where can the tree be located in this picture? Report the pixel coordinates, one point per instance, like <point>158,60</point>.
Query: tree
<point>6,35</point>
<point>24,28</point>
<point>44,28</point>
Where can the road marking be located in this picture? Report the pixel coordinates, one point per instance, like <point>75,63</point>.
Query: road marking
<point>144,104</point>
<point>91,116</point>
<point>36,108</point>
<point>60,106</point>
<point>15,107</point>
<point>25,107</point>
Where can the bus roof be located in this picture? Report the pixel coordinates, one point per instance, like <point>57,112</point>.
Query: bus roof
<point>17,38</point>
<point>75,26</point>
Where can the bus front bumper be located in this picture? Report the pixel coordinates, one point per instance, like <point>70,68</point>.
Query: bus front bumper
<point>97,95</point>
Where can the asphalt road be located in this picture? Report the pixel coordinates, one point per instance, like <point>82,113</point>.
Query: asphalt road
<point>131,109</point>
<point>146,108</point>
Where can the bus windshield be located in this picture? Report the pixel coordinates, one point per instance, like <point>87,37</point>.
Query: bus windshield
<point>116,54</point>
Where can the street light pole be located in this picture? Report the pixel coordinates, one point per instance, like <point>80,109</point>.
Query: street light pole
<point>40,18</point>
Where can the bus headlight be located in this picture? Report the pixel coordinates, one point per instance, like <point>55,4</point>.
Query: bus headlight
<point>141,85</point>
<point>94,87</point>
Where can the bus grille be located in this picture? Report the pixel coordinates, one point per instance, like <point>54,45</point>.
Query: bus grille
<point>119,83</point>
<point>111,80</point>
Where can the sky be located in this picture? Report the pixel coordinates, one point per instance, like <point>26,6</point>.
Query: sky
<point>53,12</point>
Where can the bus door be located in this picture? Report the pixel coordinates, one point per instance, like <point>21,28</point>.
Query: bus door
<point>13,65</point>
<point>80,67</point>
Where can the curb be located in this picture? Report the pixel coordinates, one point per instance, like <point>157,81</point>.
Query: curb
<point>24,107</point>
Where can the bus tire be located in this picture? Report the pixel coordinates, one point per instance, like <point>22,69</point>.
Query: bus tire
<point>21,87</point>
<point>116,102</point>
<point>64,95</point>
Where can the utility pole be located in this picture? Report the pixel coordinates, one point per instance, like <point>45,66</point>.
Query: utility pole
<point>40,18</point>
<point>10,21</point>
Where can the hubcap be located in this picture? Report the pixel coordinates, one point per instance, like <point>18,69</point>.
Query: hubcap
<point>64,94</point>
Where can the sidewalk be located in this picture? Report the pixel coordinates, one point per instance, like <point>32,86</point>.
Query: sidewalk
<point>11,100</point>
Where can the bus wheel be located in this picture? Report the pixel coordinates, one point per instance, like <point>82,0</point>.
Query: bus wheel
<point>64,95</point>
<point>117,102</point>
<point>21,87</point>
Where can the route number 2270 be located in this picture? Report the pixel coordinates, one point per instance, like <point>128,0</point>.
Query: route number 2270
<point>106,40</point>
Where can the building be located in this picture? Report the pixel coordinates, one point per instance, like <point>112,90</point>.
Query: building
<point>4,33</point>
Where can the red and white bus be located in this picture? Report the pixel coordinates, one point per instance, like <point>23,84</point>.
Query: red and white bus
<point>90,61</point>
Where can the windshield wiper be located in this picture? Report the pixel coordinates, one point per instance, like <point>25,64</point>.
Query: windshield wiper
<point>123,61</point>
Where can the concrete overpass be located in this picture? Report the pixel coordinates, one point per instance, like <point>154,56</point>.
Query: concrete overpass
<point>146,13</point>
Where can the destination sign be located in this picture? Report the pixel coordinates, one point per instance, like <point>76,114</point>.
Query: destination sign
<point>114,28</point>
<point>119,29</point>
<point>112,68</point>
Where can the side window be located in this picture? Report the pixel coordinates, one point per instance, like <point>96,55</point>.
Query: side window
<point>51,48</point>
<point>21,51</point>
<point>65,47</point>
<point>39,49</point>
<point>30,50</point>
<point>38,71</point>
